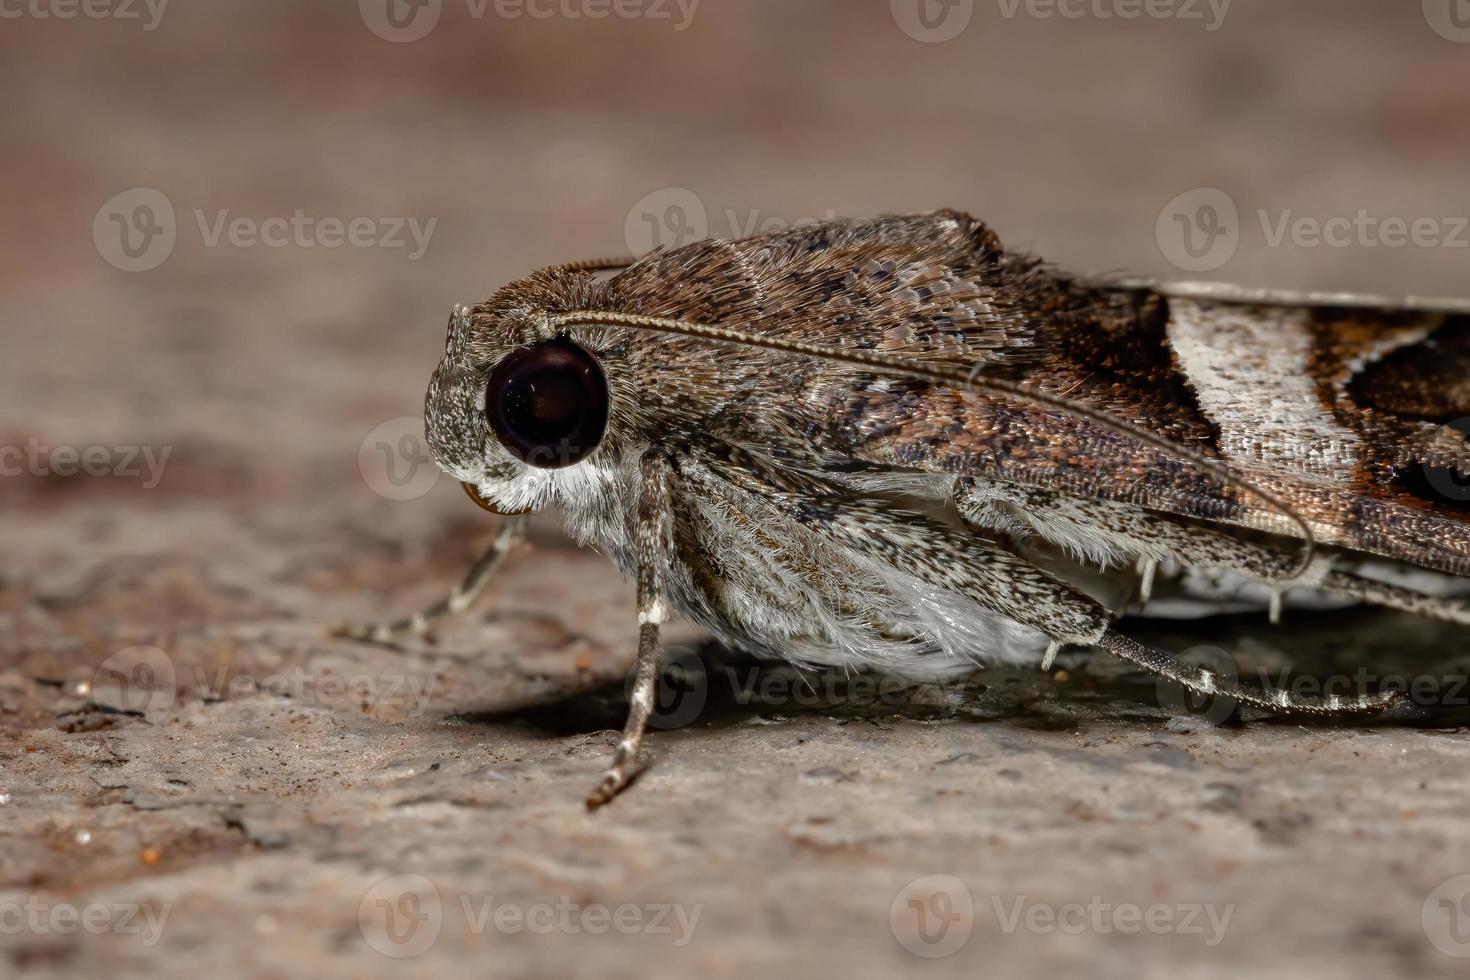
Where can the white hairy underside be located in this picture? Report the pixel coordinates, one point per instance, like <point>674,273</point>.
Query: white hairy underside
<point>782,590</point>
<point>793,594</point>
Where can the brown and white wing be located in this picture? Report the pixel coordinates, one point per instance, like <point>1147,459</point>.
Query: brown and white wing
<point>1344,408</point>
<point>1353,412</point>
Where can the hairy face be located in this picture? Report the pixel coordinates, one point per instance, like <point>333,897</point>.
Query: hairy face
<point>519,420</point>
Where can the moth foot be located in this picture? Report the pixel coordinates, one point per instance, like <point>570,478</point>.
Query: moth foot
<point>383,634</point>
<point>612,783</point>
<point>617,778</point>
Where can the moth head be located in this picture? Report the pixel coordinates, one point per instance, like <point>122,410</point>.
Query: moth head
<point>516,414</point>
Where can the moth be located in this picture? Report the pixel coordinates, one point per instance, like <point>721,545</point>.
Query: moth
<point>891,444</point>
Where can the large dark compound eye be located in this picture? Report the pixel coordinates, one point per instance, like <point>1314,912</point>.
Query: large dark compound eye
<point>547,403</point>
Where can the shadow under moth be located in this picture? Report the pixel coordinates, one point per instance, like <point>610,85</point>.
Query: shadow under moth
<point>891,445</point>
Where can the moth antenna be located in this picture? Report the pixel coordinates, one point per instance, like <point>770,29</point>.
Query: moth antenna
<point>952,377</point>
<point>600,265</point>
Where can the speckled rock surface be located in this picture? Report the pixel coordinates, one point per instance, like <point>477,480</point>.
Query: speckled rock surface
<point>196,779</point>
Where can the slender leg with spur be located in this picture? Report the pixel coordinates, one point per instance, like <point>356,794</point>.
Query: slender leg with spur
<point>1204,681</point>
<point>968,565</point>
<point>1154,537</point>
<point>655,542</point>
<point>512,532</point>
<point>1448,609</point>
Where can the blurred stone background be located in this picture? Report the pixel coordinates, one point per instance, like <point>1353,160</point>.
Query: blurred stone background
<point>283,804</point>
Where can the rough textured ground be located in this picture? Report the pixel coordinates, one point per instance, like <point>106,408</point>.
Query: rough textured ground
<point>181,739</point>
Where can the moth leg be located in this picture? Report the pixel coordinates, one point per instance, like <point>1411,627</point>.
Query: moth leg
<point>1368,590</point>
<point>463,595</point>
<point>993,577</point>
<point>1147,569</point>
<point>1203,680</point>
<point>1049,607</point>
<point>1110,532</point>
<point>654,543</point>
